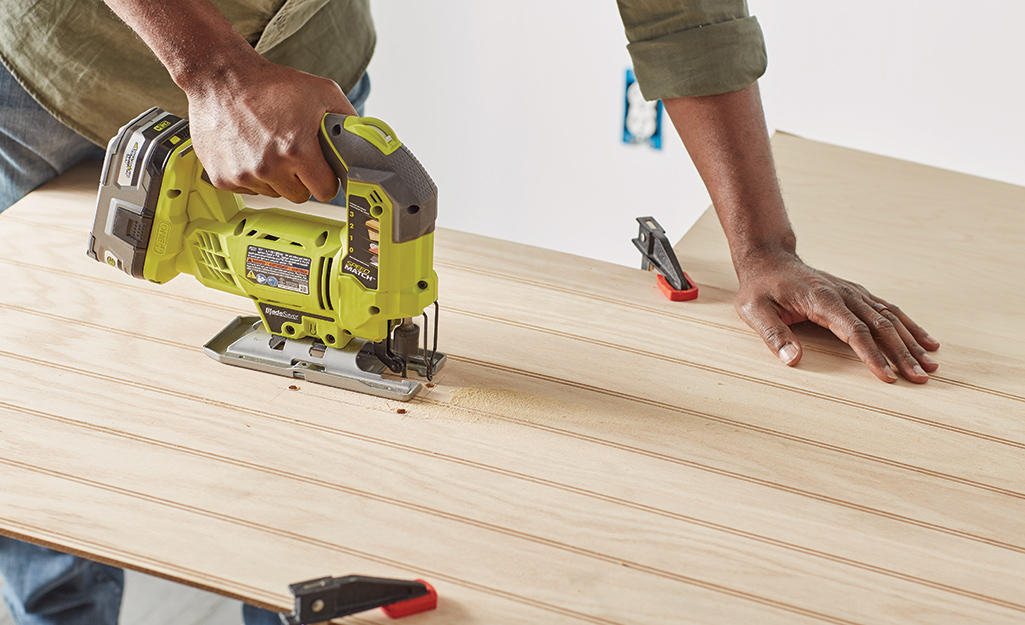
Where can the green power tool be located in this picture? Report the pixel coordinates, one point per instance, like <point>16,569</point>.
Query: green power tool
<point>337,299</point>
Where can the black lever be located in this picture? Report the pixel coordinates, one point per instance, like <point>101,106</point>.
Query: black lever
<point>326,598</point>
<point>658,252</point>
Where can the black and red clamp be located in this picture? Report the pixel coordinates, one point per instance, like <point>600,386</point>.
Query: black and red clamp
<point>657,252</point>
<point>323,599</point>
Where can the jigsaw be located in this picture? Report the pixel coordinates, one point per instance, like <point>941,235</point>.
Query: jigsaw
<point>338,299</point>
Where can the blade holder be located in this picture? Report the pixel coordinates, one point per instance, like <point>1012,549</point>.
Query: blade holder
<point>657,252</point>
<point>323,599</point>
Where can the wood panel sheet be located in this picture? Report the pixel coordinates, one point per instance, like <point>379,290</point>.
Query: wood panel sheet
<point>591,454</point>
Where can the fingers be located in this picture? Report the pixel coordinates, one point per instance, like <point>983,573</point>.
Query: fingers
<point>319,179</point>
<point>298,170</point>
<point>887,334</point>
<point>915,339</point>
<point>837,315</point>
<point>285,158</point>
<point>917,332</point>
<point>311,175</point>
<point>876,334</point>
<point>913,345</point>
<point>289,187</point>
<point>763,317</point>
<point>246,185</point>
<point>294,173</point>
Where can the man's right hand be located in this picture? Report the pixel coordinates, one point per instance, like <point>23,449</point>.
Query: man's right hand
<point>255,130</point>
<point>254,123</point>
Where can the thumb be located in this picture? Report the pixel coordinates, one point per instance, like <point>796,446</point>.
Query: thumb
<point>762,317</point>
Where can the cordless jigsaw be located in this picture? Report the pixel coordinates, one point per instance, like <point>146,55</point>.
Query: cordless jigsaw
<point>337,299</point>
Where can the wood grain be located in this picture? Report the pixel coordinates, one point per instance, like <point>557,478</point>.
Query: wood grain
<point>591,454</point>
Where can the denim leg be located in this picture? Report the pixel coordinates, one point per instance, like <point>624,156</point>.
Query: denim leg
<point>47,587</point>
<point>256,616</point>
<point>358,96</point>
<point>34,146</point>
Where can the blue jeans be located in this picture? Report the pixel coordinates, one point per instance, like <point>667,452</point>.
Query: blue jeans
<point>46,587</point>
<point>35,147</point>
<point>43,586</point>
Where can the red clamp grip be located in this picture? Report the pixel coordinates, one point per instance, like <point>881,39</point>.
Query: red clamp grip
<point>415,605</point>
<point>657,252</point>
<point>677,295</point>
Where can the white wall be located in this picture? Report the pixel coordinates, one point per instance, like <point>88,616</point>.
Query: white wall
<point>516,108</point>
<point>931,81</point>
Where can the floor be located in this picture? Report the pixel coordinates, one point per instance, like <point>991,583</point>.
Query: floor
<point>154,601</point>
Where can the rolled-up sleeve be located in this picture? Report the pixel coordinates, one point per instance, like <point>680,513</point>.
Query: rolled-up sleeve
<point>692,47</point>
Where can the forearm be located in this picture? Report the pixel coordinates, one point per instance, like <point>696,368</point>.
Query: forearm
<point>727,139</point>
<point>191,38</point>
<point>729,144</point>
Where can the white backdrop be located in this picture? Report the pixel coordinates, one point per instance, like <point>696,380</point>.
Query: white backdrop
<point>936,82</point>
<point>516,107</point>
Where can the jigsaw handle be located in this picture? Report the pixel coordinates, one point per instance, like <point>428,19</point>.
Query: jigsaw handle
<point>365,149</point>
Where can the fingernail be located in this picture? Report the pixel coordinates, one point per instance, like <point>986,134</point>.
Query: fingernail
<point>930,338</point>
<point>788,353</point>
<point>890,375</point>
<point>927,360</point>
<point>920,371</point>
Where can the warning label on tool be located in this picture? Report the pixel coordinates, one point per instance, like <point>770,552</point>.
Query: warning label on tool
<point>280,270</point>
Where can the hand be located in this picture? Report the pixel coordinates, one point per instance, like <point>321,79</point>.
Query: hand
<point>254,124</point>
<point>255,131</point>
<point>778,290</point>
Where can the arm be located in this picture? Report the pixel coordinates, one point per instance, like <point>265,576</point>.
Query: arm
<point>254,123</point>
<point>728,142</point>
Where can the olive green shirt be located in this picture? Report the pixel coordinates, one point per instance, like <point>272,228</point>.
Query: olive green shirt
<point>87,68</point>
<point>692,47</point>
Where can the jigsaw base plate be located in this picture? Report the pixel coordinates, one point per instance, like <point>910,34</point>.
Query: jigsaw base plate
<point>246,343</point>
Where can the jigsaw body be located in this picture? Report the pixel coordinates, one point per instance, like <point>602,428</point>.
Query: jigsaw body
<point>336,298</point>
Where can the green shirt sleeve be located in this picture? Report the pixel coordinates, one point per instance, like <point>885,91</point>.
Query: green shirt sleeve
<point>692,47</point>
<point>90,71</point>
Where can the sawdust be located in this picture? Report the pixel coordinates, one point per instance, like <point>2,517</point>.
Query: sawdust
<point>479,404</point>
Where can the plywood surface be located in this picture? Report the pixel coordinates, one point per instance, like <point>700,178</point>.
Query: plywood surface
<point>591,454</point>
<point>946,247</point>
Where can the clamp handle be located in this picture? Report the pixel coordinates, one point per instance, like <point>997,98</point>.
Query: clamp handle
<point>657,252</point>
<point>325,598</point>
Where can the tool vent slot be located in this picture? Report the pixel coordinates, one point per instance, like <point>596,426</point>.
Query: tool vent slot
<point>212,260</point>
<point>320,291</point>
<point>272,237</point>
<point>325,283</point>
<point>376,197</point>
